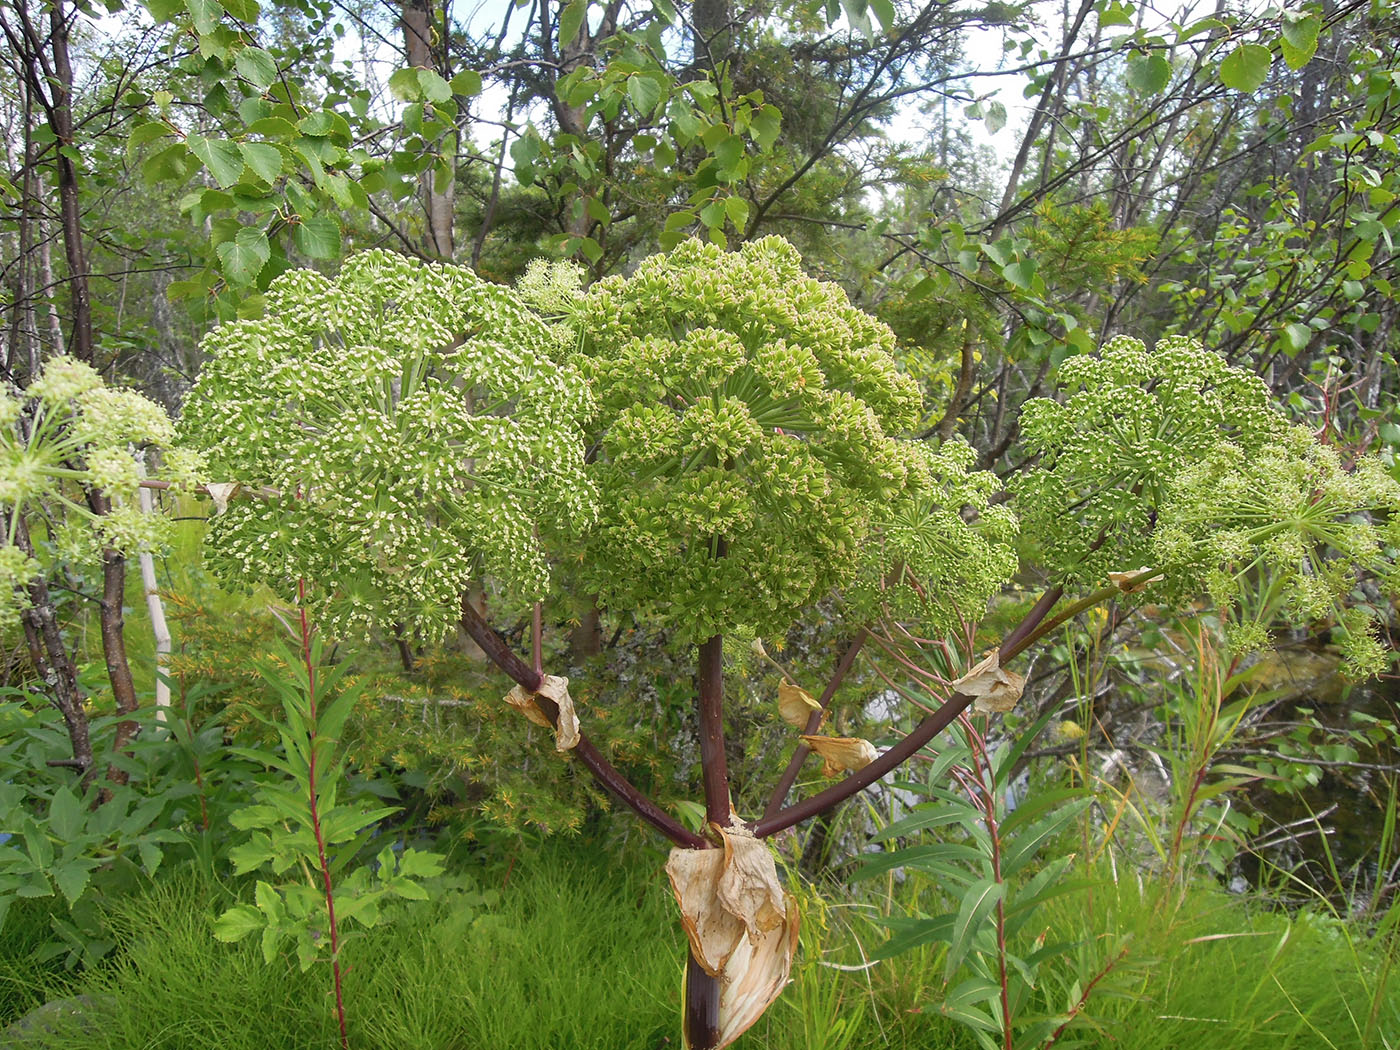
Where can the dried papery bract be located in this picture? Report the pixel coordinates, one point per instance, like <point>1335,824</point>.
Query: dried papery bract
<point>841,754</point>
<point>741,926</point>
<point>796,705</point>
<point>555,688</point>
<point>993,688</point>
<point>221,492</point>
<point>1133,582</point>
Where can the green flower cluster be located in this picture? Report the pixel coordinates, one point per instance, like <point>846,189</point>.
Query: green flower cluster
<point>1289,519</point>
<point>1172,460</point>
<point>744,432</point>
<point>410,432</point>
<point>1130,422</point>
<point>66,434</point>
<point>946,548</point>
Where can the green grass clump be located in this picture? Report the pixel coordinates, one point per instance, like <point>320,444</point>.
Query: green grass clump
<point>1219,972</point>
<point>570,951</point>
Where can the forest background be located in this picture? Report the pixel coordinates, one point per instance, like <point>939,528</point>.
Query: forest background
<point>1226,174</point>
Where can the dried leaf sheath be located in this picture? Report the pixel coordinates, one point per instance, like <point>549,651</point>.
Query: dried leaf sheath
<point>992,687</point>
<point>741,926</point>
<point>553,688</point>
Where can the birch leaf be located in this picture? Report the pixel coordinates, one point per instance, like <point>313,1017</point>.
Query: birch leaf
<point>841,754</point>
<point>991,686</point>
<point>796,705</point>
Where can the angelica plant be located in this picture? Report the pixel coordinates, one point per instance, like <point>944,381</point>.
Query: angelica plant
<point>406,429</point>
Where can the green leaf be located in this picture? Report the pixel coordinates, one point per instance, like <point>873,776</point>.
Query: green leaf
<point>1246,68</point>
<point>256,66</point>
<point>591,249</point>
<point>318,237</point>
<point>1021,273</point>
<point>765,125</point>
<point>645,93</point>
<point>272,128</point>
<point>728,153</point>
<point>403,85</point>
<point>265,161</point>
<point>995,117</point>
<point>435,89</point>
<point>738,211</point>
<point>920,857</point>
<point>272,938</point>
<point>1148,74</point>
<point>223,158</point>
<point>1116,14</point>
<point>245,11</point>
<point>238,922</point>
<point>164,10</point>
<point>72,878</point>
<point>467,83</point>
<point>981,897</point>
<point>925,817</point>
<point>65,815</point>
<point>206,14</point>
<point>243,258</point>
<point>144,133</point>
<point>317,124</point>
<point>712,214</point>
<point>571,21</point>
<point>1296,338</point>
<point>1299,41</point>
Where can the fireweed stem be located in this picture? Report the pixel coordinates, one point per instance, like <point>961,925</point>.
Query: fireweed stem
<point>310,665</point>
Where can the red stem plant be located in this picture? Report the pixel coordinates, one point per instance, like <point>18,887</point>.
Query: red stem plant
<point>313,802</point>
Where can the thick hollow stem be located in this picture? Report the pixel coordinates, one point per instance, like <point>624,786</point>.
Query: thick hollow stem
<point>701,1007</point>
<point>925,731</point>
<point>499,653</point>
<point>712,761</point>
<point>702,992</point>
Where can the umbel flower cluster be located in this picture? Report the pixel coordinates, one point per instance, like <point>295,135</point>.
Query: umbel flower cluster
<point>403,431</point>
<point>747,421</point>
<point>946,547</point>
<point>1174,461</point>
<point>68,433</point>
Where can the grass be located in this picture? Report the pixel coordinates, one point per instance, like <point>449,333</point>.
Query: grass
<point>567,949</point>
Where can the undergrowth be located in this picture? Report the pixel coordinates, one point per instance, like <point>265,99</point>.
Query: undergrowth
<point>560,948</point>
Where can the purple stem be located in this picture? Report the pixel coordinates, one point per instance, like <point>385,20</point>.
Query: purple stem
<point>814,722</point>
<point>500,654</point>
<point>925,731</point>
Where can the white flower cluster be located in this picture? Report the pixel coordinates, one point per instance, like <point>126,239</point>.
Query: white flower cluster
<point>417,433</point>
<point>67,434</point>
